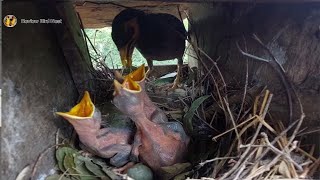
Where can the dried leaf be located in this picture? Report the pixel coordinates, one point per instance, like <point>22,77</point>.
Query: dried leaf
<point>172,171</point>
<point>187,120</point>
<point>284,169</point>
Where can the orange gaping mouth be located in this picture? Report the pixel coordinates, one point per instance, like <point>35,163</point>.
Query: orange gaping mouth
<point>139,74</point>
<point>84,109</point>
<point>128,85</point>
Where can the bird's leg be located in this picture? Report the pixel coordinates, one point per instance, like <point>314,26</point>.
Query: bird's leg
<point>122,154</point>
<point>150,67</point>
<point>135,147</point>
<point>177,80</point>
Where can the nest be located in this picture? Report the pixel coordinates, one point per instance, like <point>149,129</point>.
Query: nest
<point>233,136</point>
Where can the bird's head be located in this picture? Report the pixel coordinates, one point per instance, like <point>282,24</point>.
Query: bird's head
<point>139,76</point>
<point>125,32</point>
<point>84,109</point>
<point>83,114</point>
<point>127,96</point>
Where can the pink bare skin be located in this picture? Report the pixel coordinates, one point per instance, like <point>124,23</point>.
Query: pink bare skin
<point>110,143</point>
<point>153,112</point>
<point>156,144</point>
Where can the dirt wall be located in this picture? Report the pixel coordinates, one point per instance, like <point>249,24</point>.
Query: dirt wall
<point>36,83</point>
<point>290,31</point>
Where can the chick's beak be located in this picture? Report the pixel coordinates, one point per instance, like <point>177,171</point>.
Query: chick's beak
<point>84,109</point>
<point>131,85</point>
<point>117,87</point>
<point>139,74</point>
<point>127,85</point>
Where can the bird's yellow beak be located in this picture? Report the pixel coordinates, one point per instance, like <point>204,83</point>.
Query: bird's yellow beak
<point>126,54</point>
<point>127,51</point>
<point>128,85</point>
<point>84,109</point>
<point>139,74</point>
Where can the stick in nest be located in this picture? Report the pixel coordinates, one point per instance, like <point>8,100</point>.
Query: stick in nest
<point>277,67</point>
<point>245,157</point>
<point>288,85</point>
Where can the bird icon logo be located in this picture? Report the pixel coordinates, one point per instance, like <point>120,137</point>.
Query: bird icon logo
<point>9,20</point>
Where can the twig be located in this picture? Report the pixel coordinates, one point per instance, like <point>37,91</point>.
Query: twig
<point>244,153</point>
<point>246,82</point>
<point>212,77</point>
<point>314,167</point>
<point>64,173</point>
<point>86,37</point>
<point>215,159</point>
<point>82,29</point>
<point>265,109</point>
<point>308,132</point>
<point>276,150</point>
<point>276,68</point>
<point>232,120</point>
<point>240,171</point>
<point>273,142</point>
<point>266,104</point>
<point>239,125</point>
<point>124,176</point>
<point>288,85</point>
<point>111,3</point>
<point>250,145</point>
<point>245,161</point>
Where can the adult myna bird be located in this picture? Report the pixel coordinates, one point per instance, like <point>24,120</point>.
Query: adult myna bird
<point>155,144</point>
<point>113,143</point>
<point>157,37</point>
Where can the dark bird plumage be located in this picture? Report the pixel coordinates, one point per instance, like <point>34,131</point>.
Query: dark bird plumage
<point>156,36</point>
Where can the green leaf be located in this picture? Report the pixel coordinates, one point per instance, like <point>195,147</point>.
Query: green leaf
<point>171,171</point>
<point>187,120</point>
<point>105,168</point>
<point>60,155</point>
<point>68,163</point>
<point>163,81</point>
<point>84,173</point>
<point>95,169</point>
<point>183,176</point>
<point>56,177</point>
